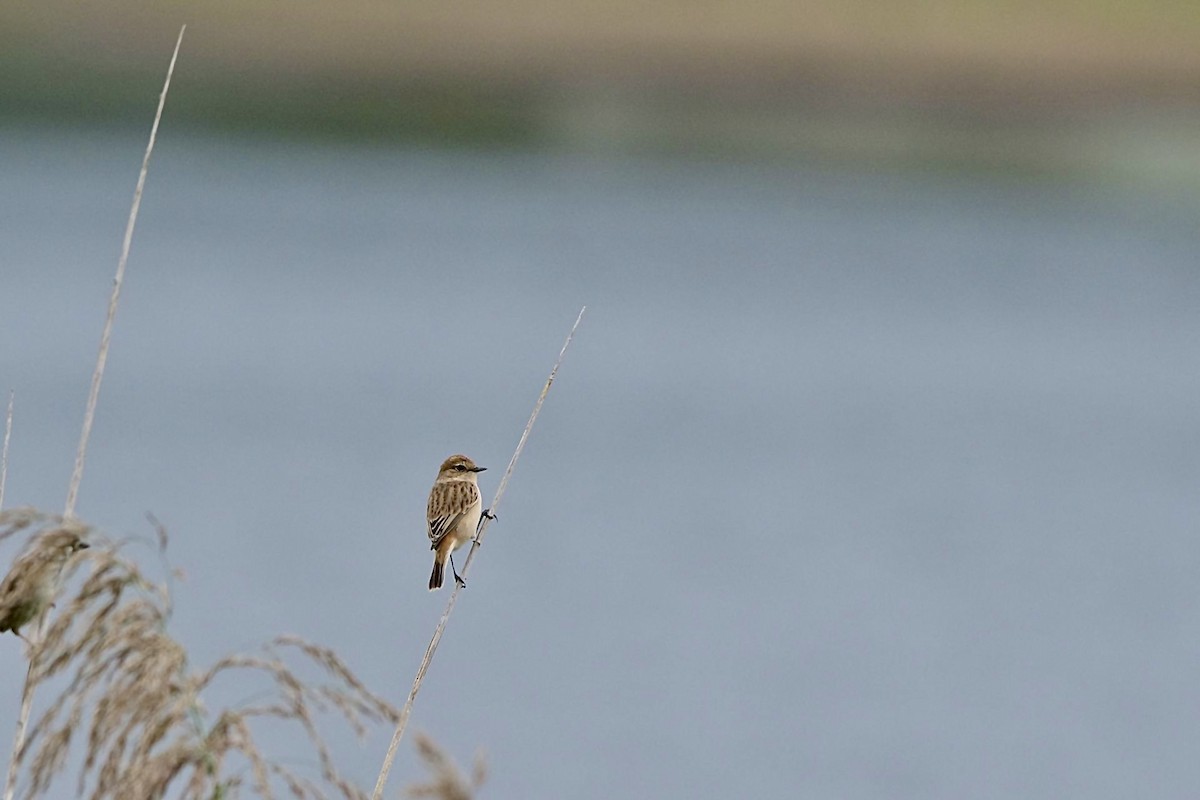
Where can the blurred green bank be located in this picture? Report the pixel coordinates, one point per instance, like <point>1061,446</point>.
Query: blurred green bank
<point>1054,87</point>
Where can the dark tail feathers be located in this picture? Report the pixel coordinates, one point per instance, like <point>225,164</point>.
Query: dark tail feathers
<point>435,580</point>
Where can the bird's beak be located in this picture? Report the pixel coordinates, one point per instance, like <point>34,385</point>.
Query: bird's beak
<point>478,469</point>
<point>82,546</point>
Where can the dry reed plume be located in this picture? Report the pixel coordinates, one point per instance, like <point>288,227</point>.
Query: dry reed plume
<point>447,783</point>
<point>29,586</point>
<point>138,708</point>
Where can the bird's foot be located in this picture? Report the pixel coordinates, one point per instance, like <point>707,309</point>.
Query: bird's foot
<point>487,514</point>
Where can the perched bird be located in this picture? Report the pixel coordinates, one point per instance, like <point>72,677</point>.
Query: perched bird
<point>29,586</point>
<point>455,507</point>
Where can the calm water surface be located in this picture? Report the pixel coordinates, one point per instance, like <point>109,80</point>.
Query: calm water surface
<point>853,485</point>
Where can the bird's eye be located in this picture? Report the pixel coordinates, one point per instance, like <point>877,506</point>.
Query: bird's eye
<point>460,467</point>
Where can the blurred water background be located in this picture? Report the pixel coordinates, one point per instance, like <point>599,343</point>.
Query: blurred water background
<point>871,473</point>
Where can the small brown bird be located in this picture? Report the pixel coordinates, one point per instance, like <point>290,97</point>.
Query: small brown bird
<point>455,507</point>
<point>29,586</point>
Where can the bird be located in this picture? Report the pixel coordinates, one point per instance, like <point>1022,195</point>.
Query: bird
<point>453,514</point>
<point>29,586</point>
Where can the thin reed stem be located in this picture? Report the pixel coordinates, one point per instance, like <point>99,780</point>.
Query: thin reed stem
<point>4,452</point>
<point>427,659</point>
<point>102,357</point>
<point>27,691</point>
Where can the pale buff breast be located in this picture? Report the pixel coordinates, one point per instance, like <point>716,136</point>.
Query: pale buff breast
<point>465,530</point>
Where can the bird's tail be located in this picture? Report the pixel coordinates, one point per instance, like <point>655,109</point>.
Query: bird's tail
<point>439,567</point>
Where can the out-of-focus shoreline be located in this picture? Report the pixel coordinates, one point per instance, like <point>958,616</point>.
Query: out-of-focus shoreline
<point>1002,86</point>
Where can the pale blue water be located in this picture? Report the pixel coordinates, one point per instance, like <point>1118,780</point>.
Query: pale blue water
<point>853,485</point>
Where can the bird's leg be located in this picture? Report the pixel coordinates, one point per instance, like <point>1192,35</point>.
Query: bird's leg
<point>487,514</point>
<point>457,579</point>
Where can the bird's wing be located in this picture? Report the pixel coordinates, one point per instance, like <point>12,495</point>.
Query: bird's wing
<point>438,528</point>
<point>447,505</point>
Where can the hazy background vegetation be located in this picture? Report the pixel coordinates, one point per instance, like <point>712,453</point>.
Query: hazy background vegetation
<point>1045,86</point>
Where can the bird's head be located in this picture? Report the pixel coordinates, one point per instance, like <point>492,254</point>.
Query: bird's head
<point>458,466</point>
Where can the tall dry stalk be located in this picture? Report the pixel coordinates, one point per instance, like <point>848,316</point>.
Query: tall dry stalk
<point>102,357</point>
<point>90,410</point>
<point>4,452</point>
<point>427,659</point>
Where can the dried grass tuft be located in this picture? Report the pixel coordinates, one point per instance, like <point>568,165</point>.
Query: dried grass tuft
<point>448,783</point>
<point>30,584</point>
<point>136,710</point>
